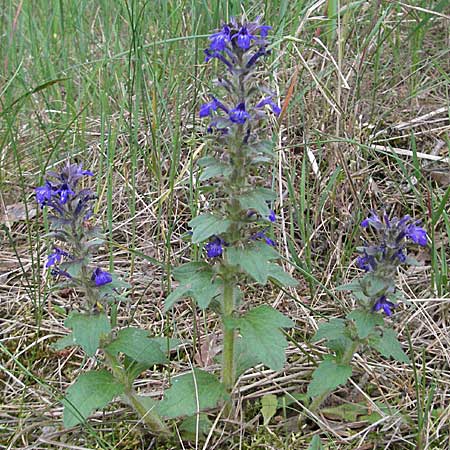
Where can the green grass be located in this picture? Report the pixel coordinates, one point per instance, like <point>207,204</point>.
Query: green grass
<point>117,85</point>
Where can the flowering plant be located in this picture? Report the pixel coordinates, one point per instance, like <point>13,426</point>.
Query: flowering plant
<point>235,231</point>
<point>125,352</point>
<point>376,295</point>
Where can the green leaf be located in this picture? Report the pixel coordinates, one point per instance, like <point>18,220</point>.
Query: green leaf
<point>213,168</point>
<point>190,393</point>
<point>207,225</point>
<point>244,357</point>
<point>277,273</point>
<point>389,346</point>
<point>349,412</point>
<point>135,343</point>
<point>365,321</point>
<point>269,405</point>
<point>64,342</point>
<point>73,267</point>
<point>328,375</point>
<point>196,281</point>
<point>257,199</point>
<point>255,261</point>
<point>333,329</point>
<point>265,147</point>
<point>354,286</point>
<point>315,444</point>
<point>189,426</point>
<point>375,286</point>
<point>87,329</point>
<point>260,330</point>
<point>92,390</point>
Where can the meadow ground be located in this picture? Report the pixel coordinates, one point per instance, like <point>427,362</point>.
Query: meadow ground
<point>117,85</point>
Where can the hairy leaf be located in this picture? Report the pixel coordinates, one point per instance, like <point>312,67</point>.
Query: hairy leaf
<point>87,329</point>
<point>255,261</point>
<point>196,281</point>
<point>260,331</point>
<point>365,321</point>
<point>207,225</point>
<point>328,375</point>
<point>135,343</point>
<point>92,390</point>
<point>389,346</point>
<point>269,406</point>
<point>191,393</point>
<point>212,167</point>
<point>315,444</point>
<point>333,329</point>
<point>257,199</point>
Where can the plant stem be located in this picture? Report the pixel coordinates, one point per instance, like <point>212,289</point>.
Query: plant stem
<point>149,416</point>
<point>228,369</point>
<point>345,360</point>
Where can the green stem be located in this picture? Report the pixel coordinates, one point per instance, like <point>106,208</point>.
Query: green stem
<point>149,416</point>
<point>228,369</point>
<point>345,360</point>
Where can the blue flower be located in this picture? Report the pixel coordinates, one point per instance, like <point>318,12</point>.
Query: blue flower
<point>214,248</point>
<point>44,193</point>
<point>272,217</point>
<point>373,220</point>
<point>239,114</point>
<point>268,101</point>
<point>220,39</point>
<point>417,234</point>
<point>385,304</point>
<point>64,192</point>
<point>252,60</point>
<point>215,54</point>
<point>207,108</point>
<point>101,277</point>
<point>264,30</point>
<point>262,235</point>
<point>55,257</point>
<point>368,263</point>
<point>244,38</point>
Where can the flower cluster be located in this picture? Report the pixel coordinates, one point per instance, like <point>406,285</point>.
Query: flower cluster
<point>392,235</point>
<point>62,195</point>
<point>380,260</point>
<point>239,46</point>
<point>70,207</point>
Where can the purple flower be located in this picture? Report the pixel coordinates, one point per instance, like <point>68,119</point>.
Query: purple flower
<point>272,217</point>
<point>373,220</point>
<point>214,248</point>
<point>64,193</point>
<point>262,235</point>
<point>264,30</point>
<point>215,54</point>
<point>55,257</point>
<point>252,60</point>
<point>44,193</point>
<point>268,101</point>
<point>101,277</point>
<point>220,39</point>
<point>417,234</point>
<point>239,114</point>
<point>385,304</point>
<point>243,38</point>
<point>56,271</point>
<point>207,108</point>
<point>368,263</point>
